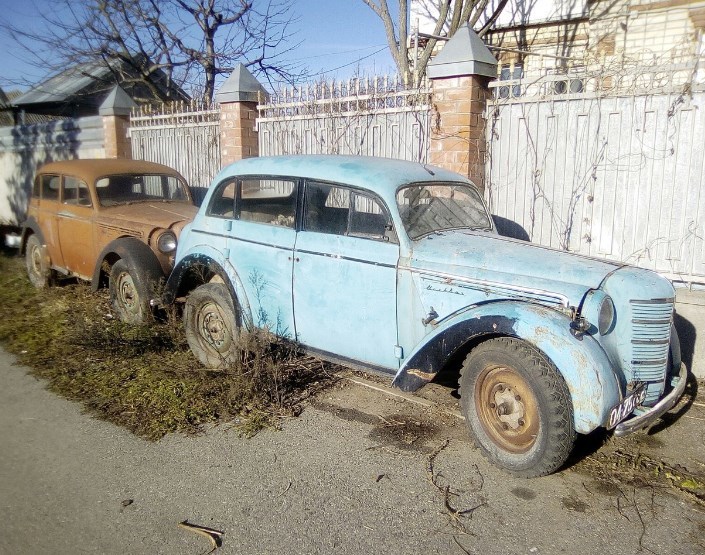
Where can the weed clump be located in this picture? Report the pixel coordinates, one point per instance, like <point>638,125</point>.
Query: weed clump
<point>144,377</point>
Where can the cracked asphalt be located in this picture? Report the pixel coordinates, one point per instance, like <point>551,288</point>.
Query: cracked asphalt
<point>360,471</point>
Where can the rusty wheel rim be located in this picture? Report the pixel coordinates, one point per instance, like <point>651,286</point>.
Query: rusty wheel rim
<point>127,293</point>
<point>212,327</point>
<point>35,257</point>
<point>507,408</point>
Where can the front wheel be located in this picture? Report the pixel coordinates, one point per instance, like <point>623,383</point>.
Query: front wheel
<point>518,407</point>
<point>211,325</point>
<point>38,265</point>
<point>130,293</point>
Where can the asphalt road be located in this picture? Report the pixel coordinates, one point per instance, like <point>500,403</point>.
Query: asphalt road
<point>352,475</point>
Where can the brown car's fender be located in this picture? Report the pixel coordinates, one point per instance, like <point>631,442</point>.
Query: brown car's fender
<point>30,227</point>
<point>137,255</point>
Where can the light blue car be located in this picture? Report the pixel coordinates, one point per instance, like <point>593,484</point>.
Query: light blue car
<point>397,267</point>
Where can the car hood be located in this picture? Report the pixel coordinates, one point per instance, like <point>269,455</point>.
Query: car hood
<point>155,214</point>
<point>508,266</point>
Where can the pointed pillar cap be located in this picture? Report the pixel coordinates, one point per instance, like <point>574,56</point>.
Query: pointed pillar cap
<point>117,103</point>
<point>240,86</point>
<point>463,54</point>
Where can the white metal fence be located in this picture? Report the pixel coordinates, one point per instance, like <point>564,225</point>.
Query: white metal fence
<point>183,136</point>
<point>616,173</point>
<point>378,116</point>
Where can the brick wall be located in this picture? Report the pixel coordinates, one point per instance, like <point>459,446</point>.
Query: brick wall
<point>636,31</point>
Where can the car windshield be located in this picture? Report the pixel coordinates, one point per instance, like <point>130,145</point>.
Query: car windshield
<point>431,207</point>
<point>126,189</point>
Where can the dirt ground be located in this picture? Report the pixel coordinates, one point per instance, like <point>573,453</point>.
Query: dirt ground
<point>363,469</point>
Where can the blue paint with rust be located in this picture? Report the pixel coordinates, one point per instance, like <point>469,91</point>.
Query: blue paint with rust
<point>404,307</point>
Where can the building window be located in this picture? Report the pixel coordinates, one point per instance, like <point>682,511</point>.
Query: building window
<point>509,73</point>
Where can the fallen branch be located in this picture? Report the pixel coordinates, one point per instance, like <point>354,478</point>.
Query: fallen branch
<point>215,536</point>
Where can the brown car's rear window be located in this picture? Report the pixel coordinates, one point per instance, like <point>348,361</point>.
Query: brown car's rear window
<point>126,189</point>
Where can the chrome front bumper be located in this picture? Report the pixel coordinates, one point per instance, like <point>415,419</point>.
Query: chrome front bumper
<point>664,405</point>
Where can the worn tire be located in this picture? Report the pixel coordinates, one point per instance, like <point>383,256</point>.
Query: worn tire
<point>130,292</point>
<point>38,264</point>
<point>212,325</point>
<point>518,407</point>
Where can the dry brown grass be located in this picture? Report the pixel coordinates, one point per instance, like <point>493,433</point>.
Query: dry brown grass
<point>144,377</point>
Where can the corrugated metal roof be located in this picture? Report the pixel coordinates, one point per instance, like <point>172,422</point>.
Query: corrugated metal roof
<point>61,87</point>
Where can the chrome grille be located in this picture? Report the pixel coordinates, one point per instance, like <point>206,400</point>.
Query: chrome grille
<point>651,328</point>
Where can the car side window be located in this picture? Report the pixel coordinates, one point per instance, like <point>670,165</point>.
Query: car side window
<point>368,218</point>
<point>326,208</point>
<point>76,192</point>
<point>267,200</point>
<point>50,187</point>
<point>222,202</point>
<point>342,211</point>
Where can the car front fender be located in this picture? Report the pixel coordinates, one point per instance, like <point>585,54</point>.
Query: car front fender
<point>135,252</point>
<point>594,386</point>
<point>213,260</point>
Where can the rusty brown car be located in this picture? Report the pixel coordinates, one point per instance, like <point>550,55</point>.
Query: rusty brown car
<point>114,223</point>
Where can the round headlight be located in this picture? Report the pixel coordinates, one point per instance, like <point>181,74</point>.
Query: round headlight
<point>598,310</point>
<point>166,242</point>
<point>606,316</point>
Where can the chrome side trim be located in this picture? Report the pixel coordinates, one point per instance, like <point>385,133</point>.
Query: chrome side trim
<point>480,283</point>
<point>664,405</point>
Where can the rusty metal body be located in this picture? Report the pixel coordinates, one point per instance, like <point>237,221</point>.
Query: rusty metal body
<point>88,214</point>
<point>426,288</point>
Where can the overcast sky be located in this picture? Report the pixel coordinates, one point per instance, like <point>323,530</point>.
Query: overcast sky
<point>339,36</point>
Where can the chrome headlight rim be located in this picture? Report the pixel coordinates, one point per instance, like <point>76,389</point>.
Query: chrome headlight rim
<point>605,318</point>
<point>166,242</point>
<point>598,311</point>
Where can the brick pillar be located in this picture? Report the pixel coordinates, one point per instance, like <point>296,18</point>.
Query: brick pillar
<point>460,75</point>
<point>116,136</point>
<point>238,132</point>
<point>458,125</point>
<point>115,110</point>
<point>238,98</point>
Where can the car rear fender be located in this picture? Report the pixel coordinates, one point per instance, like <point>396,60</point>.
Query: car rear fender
<point>594,387</point>
<point>179,285</point>
<point>137,255</point>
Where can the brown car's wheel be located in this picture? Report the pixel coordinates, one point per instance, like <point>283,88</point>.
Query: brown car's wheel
<point>130,293</point>
<point>212,325</point>
<point>518,407</point>
<point>38,264</point>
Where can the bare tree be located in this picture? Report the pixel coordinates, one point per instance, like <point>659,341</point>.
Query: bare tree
<point>155,43</point>
<point>448,15</point>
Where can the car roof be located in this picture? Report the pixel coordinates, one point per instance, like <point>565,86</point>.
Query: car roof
<point>92,169</point>
<point>380,175</point>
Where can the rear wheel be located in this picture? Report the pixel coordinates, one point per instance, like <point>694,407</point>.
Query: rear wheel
<point>38,263</point>
<point>212,326</point>
<point>518,407</point>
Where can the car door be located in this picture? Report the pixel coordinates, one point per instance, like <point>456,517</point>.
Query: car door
<point>75,227</point>
<point>345,276</point>
<point>254,218</point>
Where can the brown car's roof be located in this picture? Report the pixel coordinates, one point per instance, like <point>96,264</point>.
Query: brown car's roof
<point>92,169</point>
